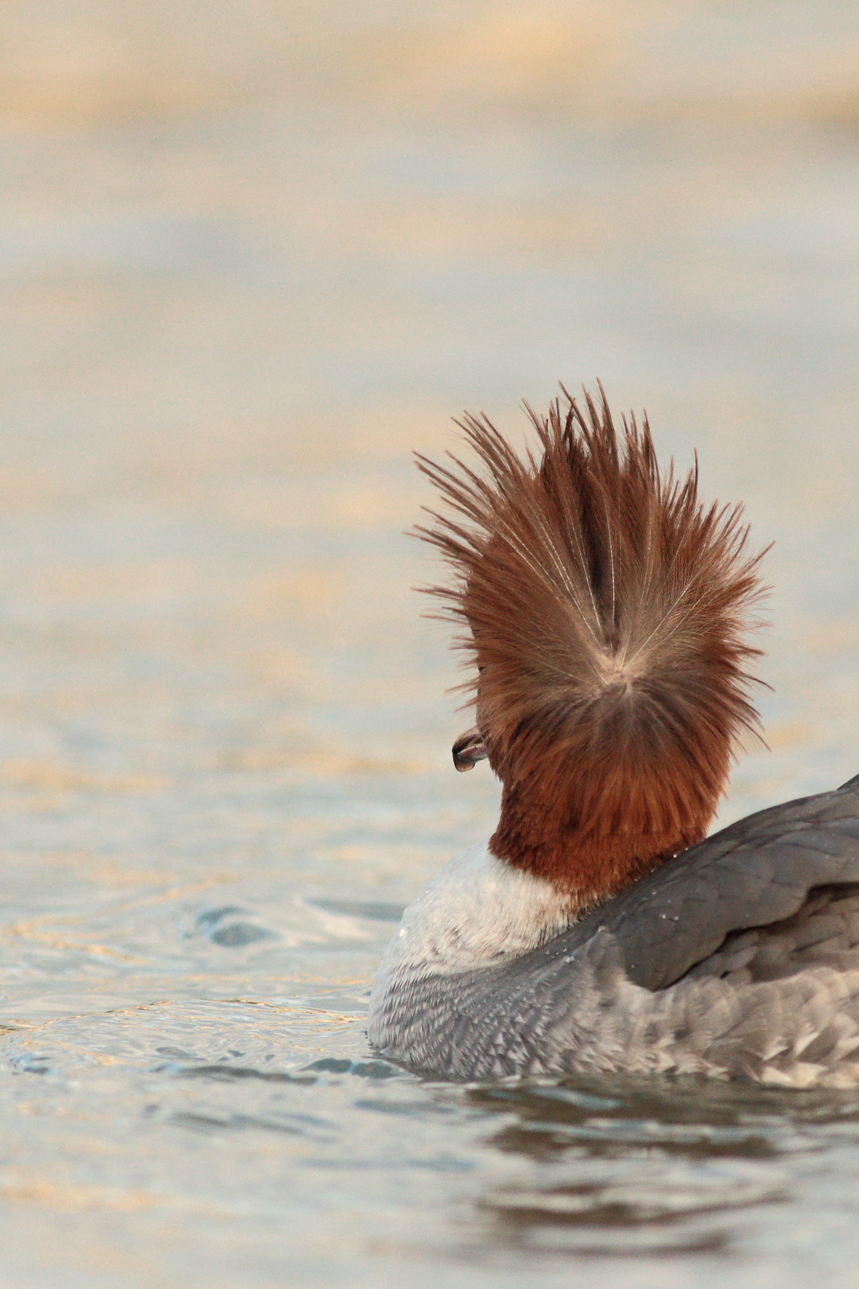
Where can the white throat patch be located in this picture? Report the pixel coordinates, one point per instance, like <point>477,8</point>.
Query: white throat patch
<point>478,911</point>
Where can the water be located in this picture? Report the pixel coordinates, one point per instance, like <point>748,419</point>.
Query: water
<point>250,257</point>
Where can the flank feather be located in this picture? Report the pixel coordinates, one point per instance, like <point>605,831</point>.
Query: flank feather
<point>605,613</point>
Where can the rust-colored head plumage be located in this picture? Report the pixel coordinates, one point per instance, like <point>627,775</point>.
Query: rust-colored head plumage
<point>605,610</point>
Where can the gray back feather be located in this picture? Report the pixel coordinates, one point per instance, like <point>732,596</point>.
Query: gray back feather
<point>740,956</point>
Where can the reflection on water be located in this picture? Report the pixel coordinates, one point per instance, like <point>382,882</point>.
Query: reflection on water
<point>653,1168</point>
<point>637,1173</point>
<point>249,260</point>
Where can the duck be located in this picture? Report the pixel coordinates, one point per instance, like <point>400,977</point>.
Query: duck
<point>608,621</point>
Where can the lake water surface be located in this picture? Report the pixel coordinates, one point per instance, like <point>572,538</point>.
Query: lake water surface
<point>251,256</point>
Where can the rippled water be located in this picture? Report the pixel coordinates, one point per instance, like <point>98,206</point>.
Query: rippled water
<point>250,257</point>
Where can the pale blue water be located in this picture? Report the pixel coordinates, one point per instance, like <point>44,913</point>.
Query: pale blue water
<point>250,257</point>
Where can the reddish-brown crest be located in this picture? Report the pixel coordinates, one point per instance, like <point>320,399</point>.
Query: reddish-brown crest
<point>605,610</point>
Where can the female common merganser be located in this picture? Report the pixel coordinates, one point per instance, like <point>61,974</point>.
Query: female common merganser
<point>606,613</point>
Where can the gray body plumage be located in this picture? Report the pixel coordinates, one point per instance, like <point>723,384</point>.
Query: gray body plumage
<point>737,958</point>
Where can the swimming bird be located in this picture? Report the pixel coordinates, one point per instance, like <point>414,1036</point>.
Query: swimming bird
<point>606,615</point>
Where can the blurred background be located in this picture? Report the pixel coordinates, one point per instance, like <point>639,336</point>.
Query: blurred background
<point>251,256</point>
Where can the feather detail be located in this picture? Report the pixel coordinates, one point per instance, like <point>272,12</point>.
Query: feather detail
<point>605,611</point>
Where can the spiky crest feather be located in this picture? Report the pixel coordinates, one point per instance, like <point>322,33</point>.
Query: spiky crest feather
<point>605,609</point>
